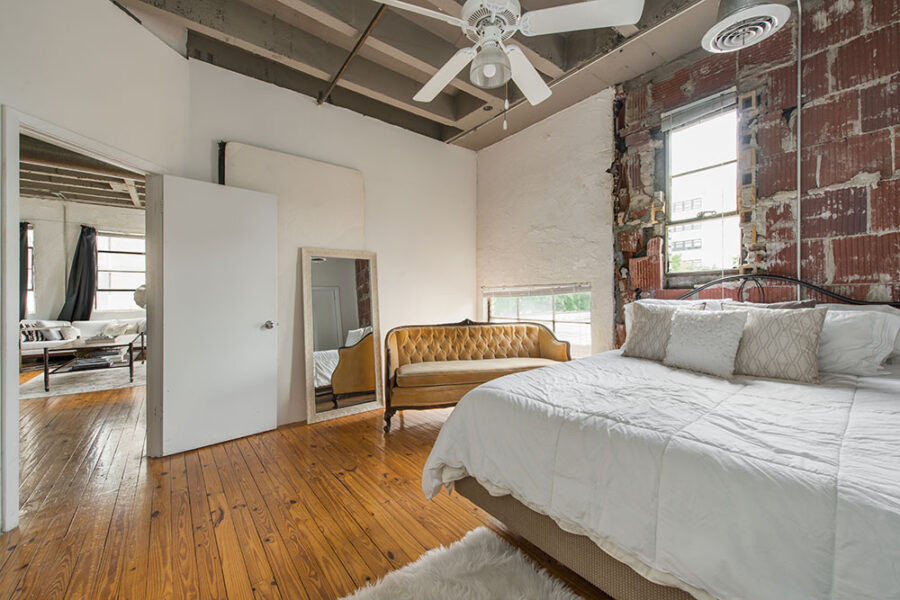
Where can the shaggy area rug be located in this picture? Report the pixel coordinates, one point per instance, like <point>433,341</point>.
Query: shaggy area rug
<point>80,382</point>
<point>481,566</point>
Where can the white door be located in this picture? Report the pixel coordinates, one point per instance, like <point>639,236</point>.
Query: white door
<point>212,360</point>
<point>326,307</point>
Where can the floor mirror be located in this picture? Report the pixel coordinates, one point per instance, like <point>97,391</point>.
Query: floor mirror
<point>342,337</point>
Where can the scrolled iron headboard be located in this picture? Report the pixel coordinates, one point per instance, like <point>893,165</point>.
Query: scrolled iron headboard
<point>758,279</point>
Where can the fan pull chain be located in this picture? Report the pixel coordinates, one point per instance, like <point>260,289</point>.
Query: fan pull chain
<point>506,108</point>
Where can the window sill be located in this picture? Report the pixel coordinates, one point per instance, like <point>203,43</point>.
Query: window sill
<point>692,279</point>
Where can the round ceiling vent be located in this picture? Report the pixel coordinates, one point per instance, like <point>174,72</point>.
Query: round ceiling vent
<point>742,24</point>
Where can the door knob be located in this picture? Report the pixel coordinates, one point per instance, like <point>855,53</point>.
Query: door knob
<point>269,325</point>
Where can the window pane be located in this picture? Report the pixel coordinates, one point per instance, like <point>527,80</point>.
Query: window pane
<point>573,307</point>
<point>503,307</point>
<point>536,307</point>
<point>706,246</point>
<point>120,281</point>
<point>704,144</point>
<point>116,301</point>
<point>578,335</point>
<point>121,262</point>
<point>29,303</point>
<point>712,190</point>
<point>126,244</point>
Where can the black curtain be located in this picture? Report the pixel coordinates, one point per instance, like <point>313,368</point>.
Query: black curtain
<point>23,267</point>
<point>82,285</point>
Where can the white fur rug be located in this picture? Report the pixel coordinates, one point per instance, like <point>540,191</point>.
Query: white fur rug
<point>80,382</point>
<point>481,566</point>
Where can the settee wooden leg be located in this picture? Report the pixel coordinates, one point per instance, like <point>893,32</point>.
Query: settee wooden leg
<point>388,413</point>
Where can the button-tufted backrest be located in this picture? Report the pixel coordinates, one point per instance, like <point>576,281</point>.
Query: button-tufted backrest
<point>466,342</point>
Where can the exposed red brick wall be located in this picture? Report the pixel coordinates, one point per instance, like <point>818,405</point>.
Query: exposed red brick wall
<point>364,292</point>
<point>850,153</point>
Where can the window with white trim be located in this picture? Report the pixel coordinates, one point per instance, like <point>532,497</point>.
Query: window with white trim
<point>564,309</point>
<point>121,269</point>
<point>703,227</point>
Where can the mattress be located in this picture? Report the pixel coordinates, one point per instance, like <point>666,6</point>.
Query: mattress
<point>324,363</point>
<point>749,488</point>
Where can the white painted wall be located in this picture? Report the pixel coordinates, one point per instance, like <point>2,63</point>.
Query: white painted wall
<point>57,226</point>
<point>96,72</point>
<point>420,193</point>
<point>545,207</point>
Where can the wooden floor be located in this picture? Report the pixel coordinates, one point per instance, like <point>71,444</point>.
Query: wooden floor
<point>302,512</point>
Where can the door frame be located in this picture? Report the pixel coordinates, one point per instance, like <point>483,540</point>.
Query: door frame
<point>14,122</point>
<point>335,306</point>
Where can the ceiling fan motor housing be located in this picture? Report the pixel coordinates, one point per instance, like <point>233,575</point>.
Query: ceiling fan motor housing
<point>480,14</point>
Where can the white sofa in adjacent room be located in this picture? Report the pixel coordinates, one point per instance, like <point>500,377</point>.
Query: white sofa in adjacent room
<point>84,329</point>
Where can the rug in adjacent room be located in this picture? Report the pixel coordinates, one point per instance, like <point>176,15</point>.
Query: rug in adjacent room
<point>481,566</point>
<point>81,382</point>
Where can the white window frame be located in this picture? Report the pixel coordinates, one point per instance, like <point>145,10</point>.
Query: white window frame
<point>99,270</point>
<point>687,116</point>
<point>519,292</point>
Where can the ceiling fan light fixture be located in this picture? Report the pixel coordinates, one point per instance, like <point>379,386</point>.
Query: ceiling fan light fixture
<point>490,69</point>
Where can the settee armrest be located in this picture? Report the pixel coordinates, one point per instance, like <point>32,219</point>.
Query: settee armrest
<point>553,348</point>
<point>355,371</point>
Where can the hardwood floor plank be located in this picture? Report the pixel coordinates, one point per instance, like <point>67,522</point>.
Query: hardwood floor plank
<point>303,512</point>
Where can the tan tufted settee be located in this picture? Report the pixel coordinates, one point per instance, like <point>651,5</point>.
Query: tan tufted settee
<point>432,366</point>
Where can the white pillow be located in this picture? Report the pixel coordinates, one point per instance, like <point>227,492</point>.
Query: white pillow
<point>651,329</point>
<point>114,329</point>
<point>857,342</point>
<point>881,308</point>
<point>354,336</point>
<point>706,342</point>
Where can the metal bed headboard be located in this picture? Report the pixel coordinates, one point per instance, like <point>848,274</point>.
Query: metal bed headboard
<point>758,279</point>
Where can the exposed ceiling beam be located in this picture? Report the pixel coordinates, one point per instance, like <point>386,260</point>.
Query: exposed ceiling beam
<point>395,36</point>
<point>252,65</point>
<point>36,152</point>
<point>248,28</point>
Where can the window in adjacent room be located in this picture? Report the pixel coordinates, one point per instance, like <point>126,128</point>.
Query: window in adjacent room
<point>564,309</point>
<point>121,269</point>
<point>29,290</point>
<point>703,232</point>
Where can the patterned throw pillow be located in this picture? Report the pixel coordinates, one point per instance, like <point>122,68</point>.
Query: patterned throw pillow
<point>651,328</point>
<point>781,343</point>
<point>27,334</point>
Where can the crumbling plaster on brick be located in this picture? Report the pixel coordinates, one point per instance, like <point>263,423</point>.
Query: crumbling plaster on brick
<point>851,108</point>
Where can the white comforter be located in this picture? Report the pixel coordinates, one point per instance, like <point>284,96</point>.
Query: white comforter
<point>325,362</point>
<point>751,489</point>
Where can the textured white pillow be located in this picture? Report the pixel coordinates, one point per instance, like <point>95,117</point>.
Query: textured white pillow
<point>651,328</point>
<point>115,329</point>
<point>780,343</point>
<point>706,342</point>
<point>629,308</point>
<point>857,342</point>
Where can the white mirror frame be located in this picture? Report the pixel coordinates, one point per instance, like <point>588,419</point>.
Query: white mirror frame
<point>306,255</point>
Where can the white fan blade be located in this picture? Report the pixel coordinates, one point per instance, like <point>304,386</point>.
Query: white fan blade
<point>527,77</point>
<point>445,75</point>
<point>581,15</point>
<point>425,11</point>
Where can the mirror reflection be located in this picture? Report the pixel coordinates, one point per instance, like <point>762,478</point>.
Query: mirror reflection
<point>343,337</point>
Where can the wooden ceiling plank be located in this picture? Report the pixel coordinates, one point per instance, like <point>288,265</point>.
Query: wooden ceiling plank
<point>244,26</point>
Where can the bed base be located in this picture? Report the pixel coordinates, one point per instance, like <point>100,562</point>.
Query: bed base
<point>576,552</point>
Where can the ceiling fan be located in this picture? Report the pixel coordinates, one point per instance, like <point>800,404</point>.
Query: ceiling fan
<point>491,23</point>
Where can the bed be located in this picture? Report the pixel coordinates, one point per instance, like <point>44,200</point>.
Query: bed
<point>702,487</point>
